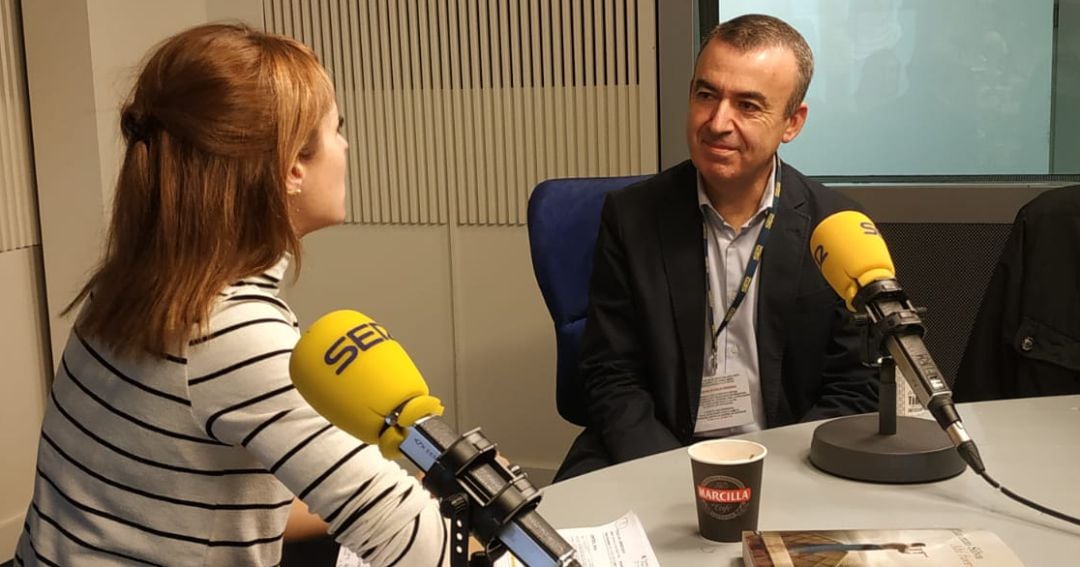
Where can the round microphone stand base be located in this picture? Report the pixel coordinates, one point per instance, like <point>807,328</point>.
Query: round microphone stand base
<point>853,447</point>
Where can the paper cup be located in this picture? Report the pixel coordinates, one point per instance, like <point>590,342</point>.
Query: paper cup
<point>727,486</point>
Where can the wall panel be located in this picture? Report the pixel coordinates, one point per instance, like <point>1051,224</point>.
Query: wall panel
<point>455,110</point>
<point>18,207</point>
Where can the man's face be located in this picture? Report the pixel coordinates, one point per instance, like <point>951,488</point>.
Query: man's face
<point>737,117</point>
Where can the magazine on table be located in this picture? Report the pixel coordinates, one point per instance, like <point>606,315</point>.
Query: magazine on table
<point>864,548</point>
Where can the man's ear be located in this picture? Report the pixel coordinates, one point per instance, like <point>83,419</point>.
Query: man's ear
<point>294,180</point>
<point>795,122</point>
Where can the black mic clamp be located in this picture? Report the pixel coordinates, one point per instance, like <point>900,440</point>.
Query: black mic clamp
<point>895,324</point>
<point>493,501</point>
<point>906,319</point>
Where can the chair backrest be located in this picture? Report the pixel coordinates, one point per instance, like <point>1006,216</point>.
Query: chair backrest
<point>945,267</point>
<point>564,219</point>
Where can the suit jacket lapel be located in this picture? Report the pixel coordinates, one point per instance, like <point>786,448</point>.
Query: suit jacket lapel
<point>682,250</point>
<point>780,268</point>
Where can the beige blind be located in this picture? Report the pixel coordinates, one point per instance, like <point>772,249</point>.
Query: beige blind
<point>18,208</point>
<point>455,109</point>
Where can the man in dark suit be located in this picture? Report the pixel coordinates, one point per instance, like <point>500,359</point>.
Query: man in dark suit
<point>687,337</point>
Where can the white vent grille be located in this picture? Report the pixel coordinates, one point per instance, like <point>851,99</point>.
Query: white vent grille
<point>455,109</point>
<point>18,209</point>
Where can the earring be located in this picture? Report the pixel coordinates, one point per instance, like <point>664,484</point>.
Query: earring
<point>293,191</point>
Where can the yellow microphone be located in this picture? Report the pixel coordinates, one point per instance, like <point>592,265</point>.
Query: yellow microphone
<point>854,259</point>
<point>849,251</point>
<point>353,372</point>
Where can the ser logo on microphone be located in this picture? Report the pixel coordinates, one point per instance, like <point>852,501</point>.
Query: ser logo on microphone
<point>356,340</point>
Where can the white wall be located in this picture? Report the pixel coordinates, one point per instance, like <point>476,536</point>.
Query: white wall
<point>25,358</point>
<point>67,164</point>
<point>506,378</point>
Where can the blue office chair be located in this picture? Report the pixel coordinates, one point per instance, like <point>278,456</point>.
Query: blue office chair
<point>564,219</point>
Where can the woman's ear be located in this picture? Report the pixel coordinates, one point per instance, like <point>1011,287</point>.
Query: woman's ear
<point>294,181</point>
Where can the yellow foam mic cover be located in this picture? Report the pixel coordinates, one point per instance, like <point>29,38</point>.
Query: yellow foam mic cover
<point>353,372</point>
<point>849,251</point>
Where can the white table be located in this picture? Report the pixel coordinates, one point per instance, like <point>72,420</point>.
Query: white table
<point>1031,446</point>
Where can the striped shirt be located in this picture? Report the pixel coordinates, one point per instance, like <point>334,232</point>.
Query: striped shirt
<point>195,460</point>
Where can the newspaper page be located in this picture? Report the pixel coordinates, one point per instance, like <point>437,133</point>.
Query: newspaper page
<point>621,543</point>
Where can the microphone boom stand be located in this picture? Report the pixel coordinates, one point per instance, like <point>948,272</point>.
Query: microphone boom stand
<point>887,448</point>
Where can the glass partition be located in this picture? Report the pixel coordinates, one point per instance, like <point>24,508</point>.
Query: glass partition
<point>933,90</point>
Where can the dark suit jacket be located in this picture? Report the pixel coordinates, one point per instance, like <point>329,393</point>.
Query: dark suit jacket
<point>644,342</point>
<point>1026,337</point>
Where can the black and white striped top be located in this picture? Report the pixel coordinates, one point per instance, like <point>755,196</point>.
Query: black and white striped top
<point>195,460</point>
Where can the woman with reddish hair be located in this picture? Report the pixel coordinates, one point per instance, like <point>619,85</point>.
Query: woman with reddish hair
<point>173,434</point>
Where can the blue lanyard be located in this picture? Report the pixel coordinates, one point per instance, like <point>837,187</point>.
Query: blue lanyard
<point>751,266</point>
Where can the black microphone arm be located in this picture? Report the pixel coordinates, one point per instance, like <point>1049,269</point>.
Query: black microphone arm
<point>893,317</point>
<point>501,499</point>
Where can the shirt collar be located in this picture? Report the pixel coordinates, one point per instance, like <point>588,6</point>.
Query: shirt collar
<point>270,279</point>
<point>767,198</point>
<point>277,271</point>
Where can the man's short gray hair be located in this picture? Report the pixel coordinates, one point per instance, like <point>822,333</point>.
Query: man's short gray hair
<point>757,31</point>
